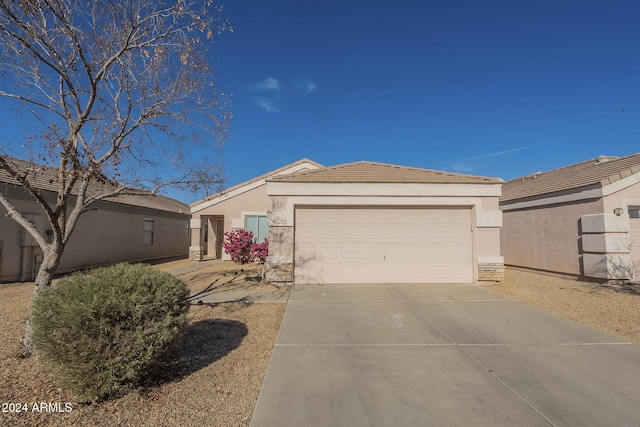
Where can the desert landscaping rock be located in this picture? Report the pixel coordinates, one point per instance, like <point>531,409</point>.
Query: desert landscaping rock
<point>226,351</point>
<point>614,309</point>
<point>228,346</point>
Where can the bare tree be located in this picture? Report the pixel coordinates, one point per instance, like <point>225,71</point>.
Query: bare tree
<point>115,94</point>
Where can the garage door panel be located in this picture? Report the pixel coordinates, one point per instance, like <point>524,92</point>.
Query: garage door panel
<point>383,245</point>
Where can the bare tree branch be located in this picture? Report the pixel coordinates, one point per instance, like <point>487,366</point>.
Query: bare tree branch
<point>113,91</point>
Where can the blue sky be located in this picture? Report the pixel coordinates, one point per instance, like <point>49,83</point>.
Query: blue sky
<point>497,88</point>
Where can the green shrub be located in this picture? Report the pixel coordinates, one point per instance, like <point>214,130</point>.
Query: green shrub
<point>104,332</point>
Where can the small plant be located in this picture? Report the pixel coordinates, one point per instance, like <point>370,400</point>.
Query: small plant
<point>242,248</point>
<point>106,331</point>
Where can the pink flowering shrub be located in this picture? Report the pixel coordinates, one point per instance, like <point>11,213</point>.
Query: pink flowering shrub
<point>240,245</point>
<point>259,251</point>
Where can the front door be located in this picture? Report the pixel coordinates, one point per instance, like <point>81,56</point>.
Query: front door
<point>219,230</point>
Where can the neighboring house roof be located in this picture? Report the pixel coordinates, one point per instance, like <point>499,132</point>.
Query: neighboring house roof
<point>598,172</point>
<point>302,164</point>
<point>373,172</point>
<point>44,178</point>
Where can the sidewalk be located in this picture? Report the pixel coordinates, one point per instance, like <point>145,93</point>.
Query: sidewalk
<point>213,297</point>
<point>194,266</point>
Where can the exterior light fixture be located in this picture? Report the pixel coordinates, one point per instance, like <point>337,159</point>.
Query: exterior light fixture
<point>618,211</point>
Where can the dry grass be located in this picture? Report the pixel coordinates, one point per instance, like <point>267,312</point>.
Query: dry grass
<point>213,380</point>
<point>608,308</point>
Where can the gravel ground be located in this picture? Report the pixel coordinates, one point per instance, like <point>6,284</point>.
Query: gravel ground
<point>614,309</point>
<point>221,364</point>
<point>227,348</point>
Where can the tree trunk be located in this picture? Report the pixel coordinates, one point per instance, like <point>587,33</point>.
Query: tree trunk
<point>43,280</point>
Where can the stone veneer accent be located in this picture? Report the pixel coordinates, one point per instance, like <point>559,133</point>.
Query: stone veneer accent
<point>196,253</point>
<point>279,273</point>
<point>490,272</point>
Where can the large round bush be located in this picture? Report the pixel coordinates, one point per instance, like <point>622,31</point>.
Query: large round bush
<point>105,331</point>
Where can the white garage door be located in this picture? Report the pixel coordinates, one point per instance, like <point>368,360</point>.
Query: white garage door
<point>383,245</point>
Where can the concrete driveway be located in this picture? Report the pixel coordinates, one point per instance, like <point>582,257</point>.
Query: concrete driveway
<point>441,355</point>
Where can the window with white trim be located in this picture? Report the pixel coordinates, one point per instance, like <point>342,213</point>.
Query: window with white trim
<point>148,232</point>
<point>257,224</point>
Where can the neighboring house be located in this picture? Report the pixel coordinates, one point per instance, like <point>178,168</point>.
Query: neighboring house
<point>123,228</point>
<point>242,206</point>
<point>370,222</point>
<point>581,220</point>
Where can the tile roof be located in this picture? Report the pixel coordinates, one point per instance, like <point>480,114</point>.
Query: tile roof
<point>44,178</point>
<point>373,172</point>
<point>263,176</point>
<point>600,171</point>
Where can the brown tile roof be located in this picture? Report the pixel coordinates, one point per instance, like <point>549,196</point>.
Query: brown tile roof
<point>263,176</point>
<point>43,178</point>
<point>372,172</point>
<point>601,171</point>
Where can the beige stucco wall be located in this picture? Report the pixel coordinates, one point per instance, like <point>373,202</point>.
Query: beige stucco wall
<point>11,238</point>
<point>233,209</point>
<point>629,196</point>
<point>546,237</point>
<point>488,242</point>
<point>101,237</point>
<point>481,199</point>
<point>625,198</point>
<point>250,202</point>
<point>246,199</point>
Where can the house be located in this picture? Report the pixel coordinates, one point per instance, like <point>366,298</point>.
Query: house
<point>123,228</point>
<point>369,222</point>
<point>581,220</point>
<point>242,206</point>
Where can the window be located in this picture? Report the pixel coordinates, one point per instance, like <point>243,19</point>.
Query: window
<point>634,213</point>
<point>257,224</point>
<point>148,232</point>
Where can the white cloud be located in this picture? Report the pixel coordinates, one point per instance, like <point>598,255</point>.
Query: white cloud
<point>306,85</point>
<point>269,105</point>
<point>500,153</point>
<point>270,84</point>
<point>461,167</point>
<point>310,86</point>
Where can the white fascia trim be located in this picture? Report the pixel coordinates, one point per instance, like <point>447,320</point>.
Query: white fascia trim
<point>592,193</point>
<point>298,168</point>
<point>250,186</point>
<point>370,189</point>
<point>621,184</point>
<point>227,196</point>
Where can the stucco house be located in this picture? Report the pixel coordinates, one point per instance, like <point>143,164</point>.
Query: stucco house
<point>369,222</point>
<point>242,206</point>
<point>123,228</point>
<point>581,220</point>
